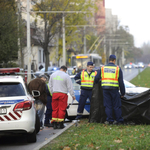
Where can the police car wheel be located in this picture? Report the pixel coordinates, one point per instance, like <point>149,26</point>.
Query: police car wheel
<point>31,137</point>
<point>37,124</point>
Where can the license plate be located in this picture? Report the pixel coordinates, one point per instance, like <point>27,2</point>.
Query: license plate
<point>3,110</point>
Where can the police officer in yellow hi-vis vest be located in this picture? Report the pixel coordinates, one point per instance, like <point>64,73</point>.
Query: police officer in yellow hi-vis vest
<point>86,79</point>
<point>111,81</point>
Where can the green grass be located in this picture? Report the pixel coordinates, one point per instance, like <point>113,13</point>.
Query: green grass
<point>142,79</point>
<point>96,136</point>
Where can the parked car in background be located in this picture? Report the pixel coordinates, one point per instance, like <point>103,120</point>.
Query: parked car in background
<point>141,65</point>
<point>49,72</point>
<point>135,65</point>
<point>17,111</point>
<point>128,66</point>
<point>71,112</point>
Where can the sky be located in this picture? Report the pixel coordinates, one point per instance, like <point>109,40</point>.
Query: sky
<point>136,15</point>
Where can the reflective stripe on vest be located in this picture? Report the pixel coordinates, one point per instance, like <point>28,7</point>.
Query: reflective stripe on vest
<point>110,75</point>
<point>86,80</point>
<point>49,90</point>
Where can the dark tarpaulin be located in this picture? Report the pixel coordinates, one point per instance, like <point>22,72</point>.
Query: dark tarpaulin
<point>135,108</point>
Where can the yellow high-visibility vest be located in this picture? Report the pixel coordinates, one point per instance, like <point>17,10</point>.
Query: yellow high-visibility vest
<point>109,76</point>
<point>86,80</point>
<point>49,89</point>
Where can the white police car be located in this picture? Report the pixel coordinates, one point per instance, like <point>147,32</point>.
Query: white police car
<point>71,112</point>
<point>17,111</point>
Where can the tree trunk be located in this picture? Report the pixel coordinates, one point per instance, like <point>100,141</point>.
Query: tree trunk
<point>46,59</point>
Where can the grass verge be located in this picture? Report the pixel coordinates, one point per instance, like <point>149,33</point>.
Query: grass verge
<point>96,136</point>
<point>143,78</point>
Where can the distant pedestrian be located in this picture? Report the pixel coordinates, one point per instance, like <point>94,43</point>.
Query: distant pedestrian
<point>60,84</point>
<point>79,69</point>
<point>86,79</point>
<point>111,81</point>
<point>40,67</point>
<point>74,70</point>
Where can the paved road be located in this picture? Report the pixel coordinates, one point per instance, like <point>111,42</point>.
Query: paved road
<point>129,74</point>
<point>19,143</point>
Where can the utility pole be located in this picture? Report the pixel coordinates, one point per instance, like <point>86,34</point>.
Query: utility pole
<point>19,52</point>
<point>64,42</point>
<point>57,48</point>
<point>84,26</point>
<point>28,42</point>
<point>63,27</point>
<point>105,48</point>
<point>84,40</point>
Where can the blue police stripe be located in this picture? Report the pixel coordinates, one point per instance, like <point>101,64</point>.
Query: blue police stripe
<point>4,102</point>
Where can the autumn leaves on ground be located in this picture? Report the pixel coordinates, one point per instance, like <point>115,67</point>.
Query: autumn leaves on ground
<point>96,136</point>
<point>89,136</point>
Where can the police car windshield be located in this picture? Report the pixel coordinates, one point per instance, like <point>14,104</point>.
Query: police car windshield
<point>11,89</point>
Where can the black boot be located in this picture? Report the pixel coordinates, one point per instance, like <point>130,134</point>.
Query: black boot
<point>61,125</point>
<point>55,125</point>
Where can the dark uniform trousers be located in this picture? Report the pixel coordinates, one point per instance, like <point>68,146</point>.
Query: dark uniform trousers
<point>82,101</point>
<point>48,113</point>
<point>112,100</point>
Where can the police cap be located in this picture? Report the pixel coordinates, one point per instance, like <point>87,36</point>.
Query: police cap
<point>112,56</point>
<point>90,63</point>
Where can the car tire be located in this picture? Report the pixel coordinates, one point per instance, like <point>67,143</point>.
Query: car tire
<point>37,124</point>
<point>31,137</point>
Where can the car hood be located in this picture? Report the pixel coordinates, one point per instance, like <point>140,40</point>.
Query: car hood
<point>136,90</point>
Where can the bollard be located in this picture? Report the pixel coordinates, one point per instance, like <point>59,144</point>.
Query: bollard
<point>139,74</point>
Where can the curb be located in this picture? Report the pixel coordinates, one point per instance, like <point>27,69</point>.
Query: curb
<point>53,137</point>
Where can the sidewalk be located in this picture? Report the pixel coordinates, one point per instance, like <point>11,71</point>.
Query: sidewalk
<point>52,134</point>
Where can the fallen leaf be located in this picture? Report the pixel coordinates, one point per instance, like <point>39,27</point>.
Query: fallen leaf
<point>131,135</point>
<point>66,148</point>
<point>77,145</point>
<point>141,135</point>
<point>91,145</point>
<point>121,149</point>
<point>118,141</point>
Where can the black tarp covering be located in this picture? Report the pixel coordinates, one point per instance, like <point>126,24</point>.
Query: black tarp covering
<point>135,108</point>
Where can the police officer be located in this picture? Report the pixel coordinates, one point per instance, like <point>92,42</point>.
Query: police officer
<point>48,113</point>
<point>74,70</point>
<point>111,80</point>
<point>86,79</point>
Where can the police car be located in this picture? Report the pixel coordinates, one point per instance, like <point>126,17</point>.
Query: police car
<point>71,112</point>
<point>17,111</point>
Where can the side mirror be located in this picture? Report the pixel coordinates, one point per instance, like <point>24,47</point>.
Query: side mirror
<point>35,93</point>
